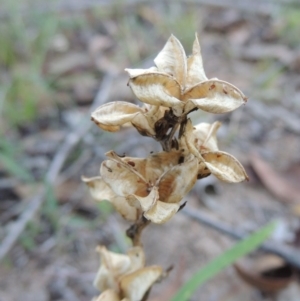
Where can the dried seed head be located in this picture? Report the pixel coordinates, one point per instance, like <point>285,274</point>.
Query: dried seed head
<point>180,83</point>
<point>225,167</point>
<point>125,276</point>
<point>108,295</point>
<point>149,186</point>
<point>100,191</point>
<point>151,189</point>
<point>201,141</point>
<point>153,186</point>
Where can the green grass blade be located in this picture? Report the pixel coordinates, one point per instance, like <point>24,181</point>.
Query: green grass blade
<point>227,258</point>
<point>8,153</point>
<point>15,168</point>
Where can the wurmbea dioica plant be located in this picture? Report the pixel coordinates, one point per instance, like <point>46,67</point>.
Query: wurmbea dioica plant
<point>145,190</point>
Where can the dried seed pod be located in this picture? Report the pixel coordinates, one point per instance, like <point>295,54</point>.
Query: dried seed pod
<point>172,60</point>
<point>150,184</point>
<point>213,96</point>
<point>180,83</point>
<point>134,286</point>
<point>195,70</point>
<point>205,136</point>
<point>100,191</point>
<point>111,116</point>
<point>178,181</point>
<point>114,266</point>
<point>201,141</point>
<point>158,89</point>
<point>108,295</point>
<point>122,179</point>
<point>161,212</point>
<point>125,277</point>
<point>225,167</point>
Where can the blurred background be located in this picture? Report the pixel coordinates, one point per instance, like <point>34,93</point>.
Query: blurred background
<point>58,59</point>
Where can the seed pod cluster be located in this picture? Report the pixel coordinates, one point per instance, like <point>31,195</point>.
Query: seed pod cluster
<point>152,188</point>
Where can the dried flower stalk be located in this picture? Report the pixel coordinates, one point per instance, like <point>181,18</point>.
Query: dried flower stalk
<point>151,189</point>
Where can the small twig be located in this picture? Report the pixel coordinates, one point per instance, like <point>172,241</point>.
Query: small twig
<point>289,254</point>
<point>57,163</point>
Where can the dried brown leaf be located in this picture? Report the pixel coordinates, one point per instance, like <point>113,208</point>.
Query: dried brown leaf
<point>275,182</point>
<point>268,273</point>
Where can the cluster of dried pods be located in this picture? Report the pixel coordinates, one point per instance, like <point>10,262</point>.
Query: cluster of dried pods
<point>151,189</point>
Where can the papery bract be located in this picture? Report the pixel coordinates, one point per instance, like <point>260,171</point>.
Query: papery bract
<point>109,295</point>
<point>134,286</point>
<point>201,141</point>
<point>112,116</point>
<point>180,83</point>
<point>157,183</point>
<point>125,277</point>
<point>100,191</point>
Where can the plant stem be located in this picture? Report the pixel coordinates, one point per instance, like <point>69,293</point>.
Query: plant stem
<point>134,231</point>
